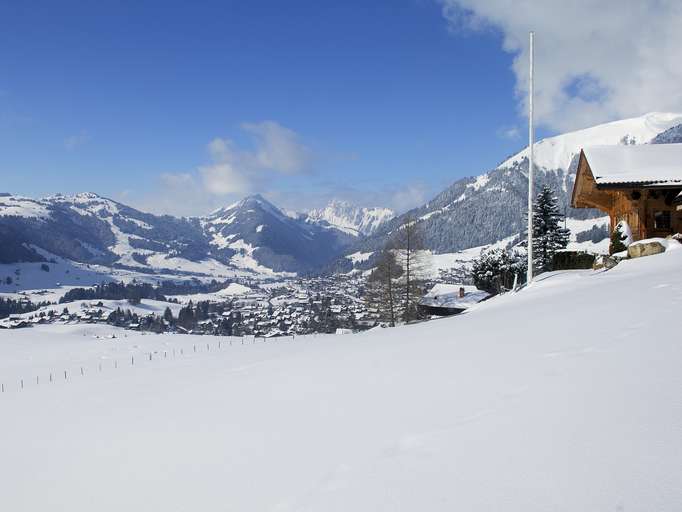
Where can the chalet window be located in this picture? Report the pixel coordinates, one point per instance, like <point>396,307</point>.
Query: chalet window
<point>662,220</point>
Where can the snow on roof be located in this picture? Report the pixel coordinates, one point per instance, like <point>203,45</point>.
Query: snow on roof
<point>447,296</point>
<point>647,163</point>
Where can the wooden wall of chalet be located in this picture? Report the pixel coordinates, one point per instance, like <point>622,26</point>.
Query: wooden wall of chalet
<point>634,205</point>
<point>639,213</point>
<point>585,191</point>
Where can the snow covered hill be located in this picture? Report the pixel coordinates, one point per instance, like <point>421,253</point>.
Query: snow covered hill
<point>256,235</point>
<point>251,236</point>
<point>487,208</point>
<point>351,219</point>
<point>564,397</point>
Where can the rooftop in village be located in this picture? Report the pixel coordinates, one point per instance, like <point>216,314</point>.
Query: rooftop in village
<point>453,296</point>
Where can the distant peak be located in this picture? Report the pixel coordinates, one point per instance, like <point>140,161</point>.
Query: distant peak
<point>87,195</point>
<point>339,202</point>
<point>258,200</point>
<point>256,197</point>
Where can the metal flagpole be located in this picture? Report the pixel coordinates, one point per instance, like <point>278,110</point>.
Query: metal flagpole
<point>529,275</point>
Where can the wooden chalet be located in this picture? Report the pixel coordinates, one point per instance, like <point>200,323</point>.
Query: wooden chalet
<point>640,184</point>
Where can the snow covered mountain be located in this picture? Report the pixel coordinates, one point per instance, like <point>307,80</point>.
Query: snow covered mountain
<point>255,234</point>
<point>481,210</point>
<point>252,235</point>
<point>351,219</point>
<point>93,229</point>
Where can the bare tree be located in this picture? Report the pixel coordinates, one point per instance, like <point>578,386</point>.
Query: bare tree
<point>408,245</point>
<point>382,290</point>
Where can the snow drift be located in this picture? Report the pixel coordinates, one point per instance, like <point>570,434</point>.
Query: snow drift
<point>563,397</point>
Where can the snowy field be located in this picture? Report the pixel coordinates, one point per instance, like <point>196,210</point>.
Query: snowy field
<point>563,397</point>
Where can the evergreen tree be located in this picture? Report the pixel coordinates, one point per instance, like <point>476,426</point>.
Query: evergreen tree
<point>186,317</point>
<point>548,235</point>
<point>168,315</point>
<point>617,240</point>
<point>496,269</point>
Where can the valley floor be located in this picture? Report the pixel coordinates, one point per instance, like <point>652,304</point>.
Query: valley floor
<point>563,397</point>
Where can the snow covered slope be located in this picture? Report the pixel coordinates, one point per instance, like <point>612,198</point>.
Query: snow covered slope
<point>351,219</point>
<point>563,397</point>
<point>558,152</point>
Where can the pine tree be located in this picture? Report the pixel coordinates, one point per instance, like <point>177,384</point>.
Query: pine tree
<point>168,315</point>
<point>617,239</point>
<point>496,269</point>
<point>548,235</point>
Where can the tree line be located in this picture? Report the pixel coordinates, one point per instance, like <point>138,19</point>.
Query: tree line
<point>134,291</point>
<point>10,307</point>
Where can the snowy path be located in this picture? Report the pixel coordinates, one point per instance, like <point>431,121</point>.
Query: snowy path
<point>469,413</point>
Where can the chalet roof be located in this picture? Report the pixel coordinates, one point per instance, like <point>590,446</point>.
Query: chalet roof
<point>447,296</point>
<point>659,164</point>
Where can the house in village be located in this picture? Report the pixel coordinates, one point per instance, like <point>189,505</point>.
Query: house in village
<point>639,184</point>
<point>451,299</point>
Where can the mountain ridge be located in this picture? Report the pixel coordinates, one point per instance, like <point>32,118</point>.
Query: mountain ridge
<point>479,210</point>
<point>353,219</point>
<point>255,236</point>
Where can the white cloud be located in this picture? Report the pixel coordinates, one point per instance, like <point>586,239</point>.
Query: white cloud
<point>509,132</point>
<point>234,170</point>
<point>75,141</point>
<point>278,148</point>
<point>180,194</point>
<point>596,60</point>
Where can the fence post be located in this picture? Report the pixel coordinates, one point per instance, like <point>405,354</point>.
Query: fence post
<point>64,374</point>
<point>82,371</point>
<point>22,383</point>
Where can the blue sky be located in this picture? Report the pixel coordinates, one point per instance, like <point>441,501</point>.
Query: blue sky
<point>376,101</point>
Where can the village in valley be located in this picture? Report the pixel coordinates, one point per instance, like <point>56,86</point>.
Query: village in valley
<point>399,284</point>
<point>334,304</point>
